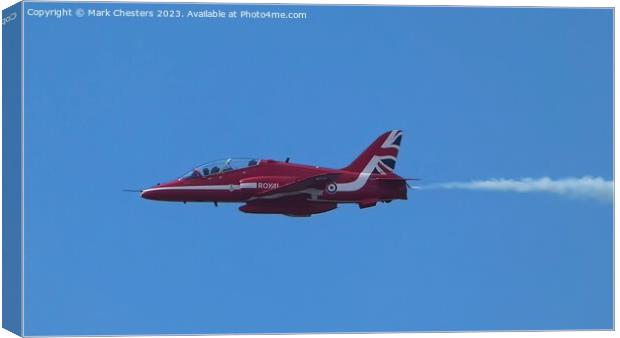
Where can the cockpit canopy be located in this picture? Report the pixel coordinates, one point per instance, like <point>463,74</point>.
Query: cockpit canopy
<point>220,166</point>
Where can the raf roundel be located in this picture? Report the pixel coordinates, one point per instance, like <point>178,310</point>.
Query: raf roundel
<point>331,188</point>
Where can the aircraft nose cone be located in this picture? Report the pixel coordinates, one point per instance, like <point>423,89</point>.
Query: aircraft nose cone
<point>146,194</point>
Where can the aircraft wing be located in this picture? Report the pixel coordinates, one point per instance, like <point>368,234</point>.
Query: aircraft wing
<point>316,181</point>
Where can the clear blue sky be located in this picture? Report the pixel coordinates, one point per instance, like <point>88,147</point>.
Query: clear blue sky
<point>480,92</point>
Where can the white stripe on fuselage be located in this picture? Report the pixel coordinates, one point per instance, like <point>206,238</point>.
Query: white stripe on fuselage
<point>356,185</point>
<point>363,177</point>
<point>229,187</point>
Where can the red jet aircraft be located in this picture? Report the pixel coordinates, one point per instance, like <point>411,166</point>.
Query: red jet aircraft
<point>274,187</point>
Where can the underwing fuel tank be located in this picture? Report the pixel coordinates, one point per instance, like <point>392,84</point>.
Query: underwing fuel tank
<point>287,208</point>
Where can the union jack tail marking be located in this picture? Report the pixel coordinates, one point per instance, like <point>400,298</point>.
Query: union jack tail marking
<point>380,156</point>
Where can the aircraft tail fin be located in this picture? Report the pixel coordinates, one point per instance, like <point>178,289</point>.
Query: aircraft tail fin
<point>380,156</point>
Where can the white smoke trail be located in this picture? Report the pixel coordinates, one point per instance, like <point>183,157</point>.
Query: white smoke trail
<point>586,187</point>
